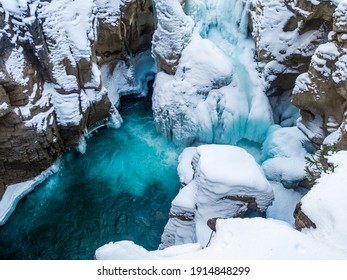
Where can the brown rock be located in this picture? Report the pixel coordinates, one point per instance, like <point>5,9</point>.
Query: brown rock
<point>302,221</point>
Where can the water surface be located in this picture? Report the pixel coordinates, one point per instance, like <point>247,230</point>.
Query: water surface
<point>121,188</point>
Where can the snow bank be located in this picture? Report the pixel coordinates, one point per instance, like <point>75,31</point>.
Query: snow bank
<point>270,17</point>
<point>243,239</point>
<point>16,192</point>
<point>203,66</point>
<point>326,206</point>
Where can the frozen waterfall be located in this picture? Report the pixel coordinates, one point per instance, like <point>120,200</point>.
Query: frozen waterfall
<point>203,102</point>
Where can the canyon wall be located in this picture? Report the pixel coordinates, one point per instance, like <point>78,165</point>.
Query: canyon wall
<point>51,88</point>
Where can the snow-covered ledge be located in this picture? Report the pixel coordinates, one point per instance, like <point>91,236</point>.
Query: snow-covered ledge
<point>16,192</point>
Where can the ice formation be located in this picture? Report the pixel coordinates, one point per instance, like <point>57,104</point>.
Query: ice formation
<point>215,95</point>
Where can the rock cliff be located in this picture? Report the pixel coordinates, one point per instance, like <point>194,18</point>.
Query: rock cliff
<point>51,88</point>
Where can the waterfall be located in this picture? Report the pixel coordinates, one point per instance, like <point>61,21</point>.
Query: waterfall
<point>225,23</point>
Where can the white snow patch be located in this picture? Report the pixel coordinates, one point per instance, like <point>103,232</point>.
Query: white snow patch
<point>241,239</point>
<point>185,169</point>
<point>4,106</point>
<point>326,204</point>
<point>15,66</point>
<point>66,107</point>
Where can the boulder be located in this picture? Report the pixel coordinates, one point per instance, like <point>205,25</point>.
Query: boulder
<point>227,183</point>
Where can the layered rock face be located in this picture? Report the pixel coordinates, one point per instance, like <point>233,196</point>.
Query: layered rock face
<point>320,93</point>
<point>300,27</point>
<point>50,83</point>
<point>225,182</point>
<point>311,43</point>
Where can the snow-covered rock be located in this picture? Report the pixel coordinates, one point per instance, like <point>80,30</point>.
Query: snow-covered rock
<point>301,27</point>
<point>284,159</point>
<point>185,169</point>
<point>227,182</point>
<point>173,33</point>
<point>321,92</point>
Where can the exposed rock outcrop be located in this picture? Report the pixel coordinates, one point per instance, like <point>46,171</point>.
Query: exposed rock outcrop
<point>300,27</point>
<point>227,183</point>
<point>50,83</point>
<point>301,219</point>
<point>320,93</point>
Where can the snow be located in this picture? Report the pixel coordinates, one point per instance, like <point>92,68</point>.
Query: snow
<point>340,15</point>
<point>302,83</point>
<point>4,106</point>
<point>230,170</point>
<point>66,106</point>
<point>224,178</point>
<point>185,198</point>
<point>340,74</point>
<point>180,229</point>
<point>284,204</point>
<point>326,205</point>
<point>109,11</point>
<point>242,239</point>
<point>173,31</point>
<point>15,66</point>
<point>283,160</point>
<point>216,95</point>
<point>128,250</point>
<point>313,129</point>
<point>323,54</point>
<point>179,95</point>
<point>185,169</point>
<point>41,121</point>
<point>328,51</point>
<point>271,19</point>
<point>15,192</point>
<point>14,6</point>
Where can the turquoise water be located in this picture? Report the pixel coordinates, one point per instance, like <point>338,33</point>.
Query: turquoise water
<point>121,188</point>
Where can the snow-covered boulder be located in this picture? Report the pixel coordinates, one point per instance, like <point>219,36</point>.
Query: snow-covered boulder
<point>284,159</point>
<point>227,182</point>
<point>185,169</point>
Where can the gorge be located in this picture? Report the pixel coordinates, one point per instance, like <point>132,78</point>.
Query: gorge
<point>246,89</point>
